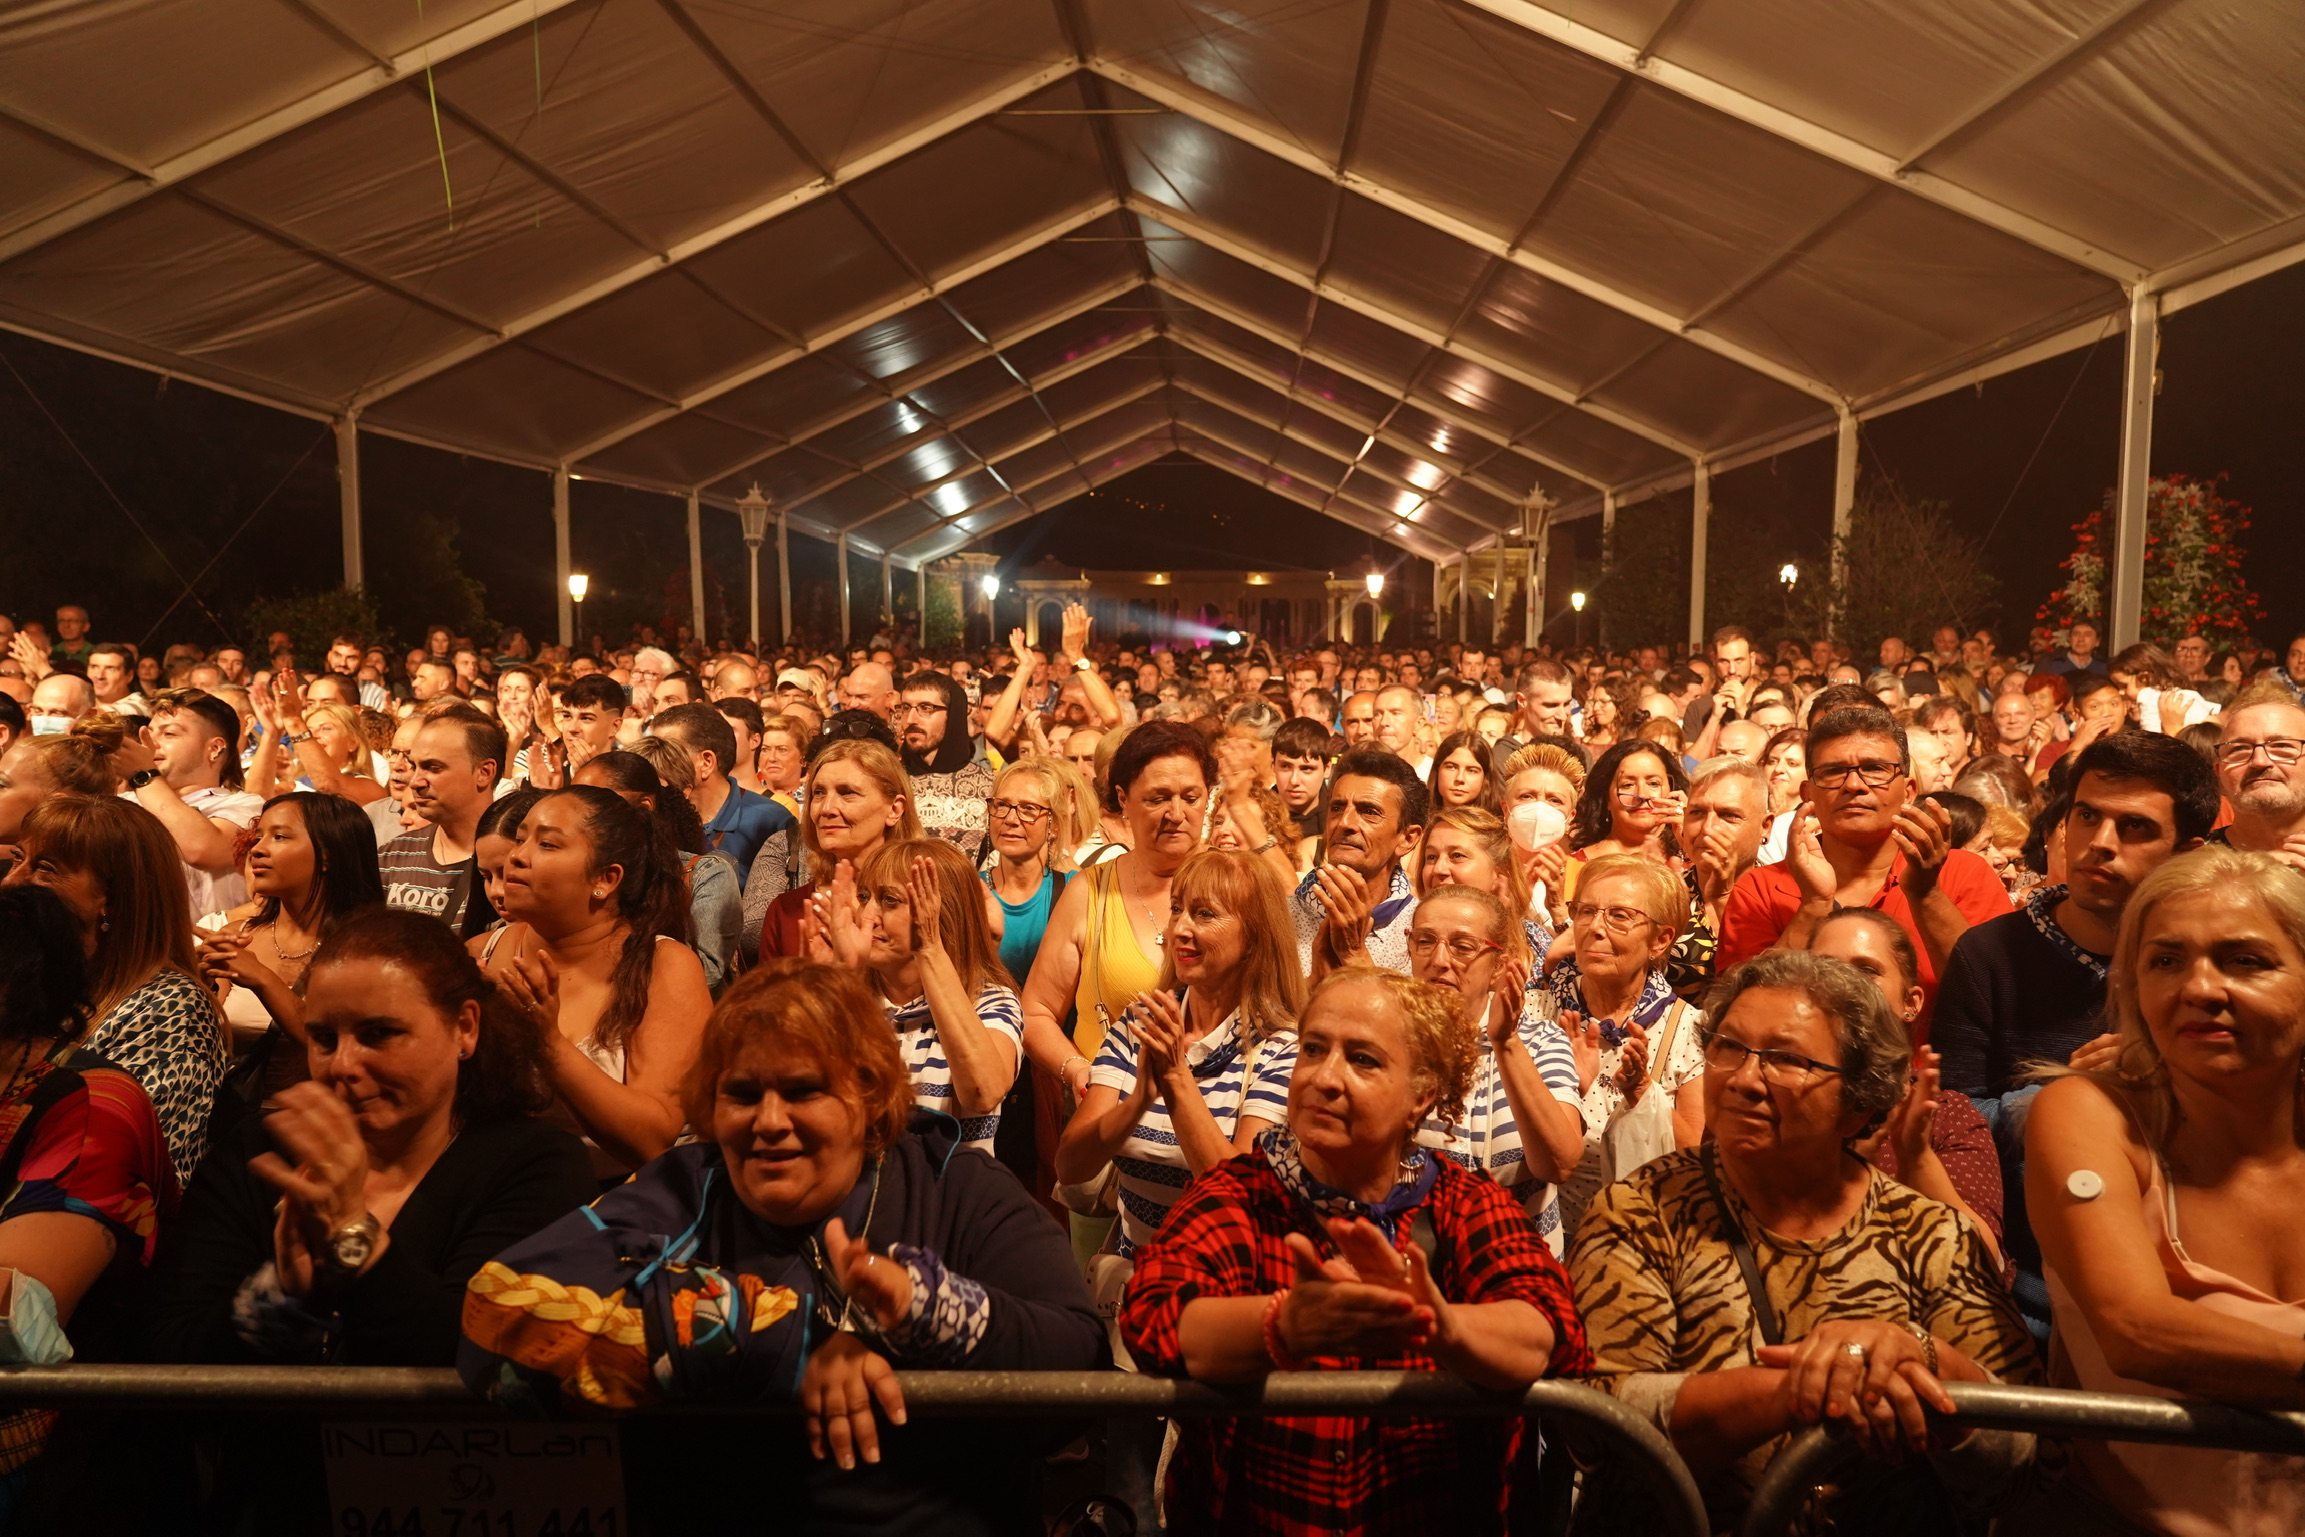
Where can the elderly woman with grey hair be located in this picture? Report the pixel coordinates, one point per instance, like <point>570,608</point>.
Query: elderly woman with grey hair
<point>1742,1290</point>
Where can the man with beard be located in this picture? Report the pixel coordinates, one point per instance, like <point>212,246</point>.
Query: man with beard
<point>2261,769</point>
<point>1355,909</point>
<point>950,781</point>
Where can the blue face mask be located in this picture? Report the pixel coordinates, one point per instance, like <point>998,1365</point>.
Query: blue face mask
<point>49,725</point>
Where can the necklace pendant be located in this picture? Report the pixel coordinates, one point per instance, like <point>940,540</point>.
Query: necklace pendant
<point>1160,941</point>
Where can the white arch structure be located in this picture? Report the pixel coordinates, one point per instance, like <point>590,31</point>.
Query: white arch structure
<point>1424,265</point>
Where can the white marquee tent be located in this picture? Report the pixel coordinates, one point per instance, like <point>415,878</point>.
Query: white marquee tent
<point>1443,269</point>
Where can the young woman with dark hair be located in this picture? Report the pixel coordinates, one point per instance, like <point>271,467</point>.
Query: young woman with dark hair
<point>715,890</point>
<point>597,950</point>
<point>312,862</point>
<point>1631,804</point>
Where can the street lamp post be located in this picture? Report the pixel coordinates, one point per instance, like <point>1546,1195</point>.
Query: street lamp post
<point>989,585</point>
<point>752,512</point>
<point>1789,574</point>
<point>1375,582</point>
<point>1577,602</point>
<point>578,585</point>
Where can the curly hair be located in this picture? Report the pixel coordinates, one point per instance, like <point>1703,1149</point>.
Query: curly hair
<point>1443,1045</point>
<point>826,1013</point>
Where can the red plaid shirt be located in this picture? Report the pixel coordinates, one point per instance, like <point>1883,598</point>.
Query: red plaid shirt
<point>1227,1237</point>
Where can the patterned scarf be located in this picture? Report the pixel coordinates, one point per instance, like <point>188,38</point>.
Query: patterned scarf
<point>1279,1146</point>
<point>1567,987</point>
<point>2041,909</point>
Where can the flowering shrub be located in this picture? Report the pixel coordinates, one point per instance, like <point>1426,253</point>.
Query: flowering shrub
<point>2193,582</point>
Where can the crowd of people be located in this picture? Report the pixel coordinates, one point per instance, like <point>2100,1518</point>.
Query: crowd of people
<point>1761,1033</point>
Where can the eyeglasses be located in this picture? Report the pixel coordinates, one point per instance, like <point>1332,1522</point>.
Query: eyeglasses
<point>903,710</point>
<point>1463,949</point>
<point>1023,811</point>
<point>1785,1069</point>
<point>2282,750</point>
<point>1617,920</point>
<point>1873,772</point>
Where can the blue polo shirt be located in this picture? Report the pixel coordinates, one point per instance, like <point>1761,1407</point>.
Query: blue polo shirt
<point>745,822</point>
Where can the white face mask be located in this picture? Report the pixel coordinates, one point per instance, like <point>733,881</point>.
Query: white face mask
<point>50,725</point>
<point>1534,824</point>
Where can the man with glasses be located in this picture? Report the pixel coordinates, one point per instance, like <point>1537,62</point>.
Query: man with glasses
<point>1863,839</point>
<point>2261,770</point>
<point>950,778</point>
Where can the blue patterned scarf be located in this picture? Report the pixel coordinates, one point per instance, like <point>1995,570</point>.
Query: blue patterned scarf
<point>2041,911</point>
<point>1279,1146</point>
<point>1566,985</point>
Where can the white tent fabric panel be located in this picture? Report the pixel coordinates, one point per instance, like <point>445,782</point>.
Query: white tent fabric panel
<point>856,249</point>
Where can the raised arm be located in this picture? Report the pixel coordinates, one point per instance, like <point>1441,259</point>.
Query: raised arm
<point>637,1119</point>
<point>1000,721</point>
<point>1092,683</point>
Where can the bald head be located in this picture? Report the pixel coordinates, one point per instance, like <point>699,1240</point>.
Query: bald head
<point>869,686</point>
<point>1743,739</point>
<point>736,680</point>
<point>1400,710</point>
<point>61,696</point>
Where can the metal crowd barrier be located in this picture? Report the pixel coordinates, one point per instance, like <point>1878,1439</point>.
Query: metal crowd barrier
<point>1819,1455</point>
<point>426,1393</point>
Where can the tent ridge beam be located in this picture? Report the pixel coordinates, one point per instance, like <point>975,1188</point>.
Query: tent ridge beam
<point>1219,310</point>
<point>1590,41</point>
<point>1233,125</point>
<point>719,234</point>
<point>484,28</point>
<point>1391,437</point>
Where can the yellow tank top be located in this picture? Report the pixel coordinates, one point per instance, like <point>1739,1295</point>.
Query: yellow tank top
<point>1113,967</point>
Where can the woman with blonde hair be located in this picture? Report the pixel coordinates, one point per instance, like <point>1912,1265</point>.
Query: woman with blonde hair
<point>855,798</point>
<point>117,869</point>
<point>910,916</point>
<point>1543,775</point>
<point>1025,832</point>
<point>1612,997</point>
<point>2161,1178</point>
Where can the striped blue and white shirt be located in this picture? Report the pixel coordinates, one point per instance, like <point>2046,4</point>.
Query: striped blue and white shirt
<point>1488,1140</point>
<point>1151,1164</point>
<point>924,1057</point>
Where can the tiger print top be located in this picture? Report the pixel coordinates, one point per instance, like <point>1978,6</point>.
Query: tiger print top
<point>1662,1298</point>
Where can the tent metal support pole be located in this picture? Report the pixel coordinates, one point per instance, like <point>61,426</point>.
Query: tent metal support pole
<point>695,567</point>
<point>1497,603</point>
<point>2126,616</point>
<point>1540,534</point>
<point>920,603</point>
<point>1844,514</point>
<point>348,493</point>
<point>1608,559</point>
<point>562,562</point>
<point>840,551</point>
<point>1701,515</point>
<point>783,583</point>
<point>887,590</point>
<point>1464,599</point>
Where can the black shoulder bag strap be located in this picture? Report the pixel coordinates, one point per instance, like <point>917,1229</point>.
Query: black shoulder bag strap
<point>1734,1236</point>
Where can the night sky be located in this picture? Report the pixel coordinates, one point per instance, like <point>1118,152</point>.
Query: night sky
<point>181,486</point>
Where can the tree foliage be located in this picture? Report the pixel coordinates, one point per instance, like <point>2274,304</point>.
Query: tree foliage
<point>1907,571</point>
<point>312,620</point>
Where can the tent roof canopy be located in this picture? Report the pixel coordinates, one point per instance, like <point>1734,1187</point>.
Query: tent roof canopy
<point>922,268</point>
